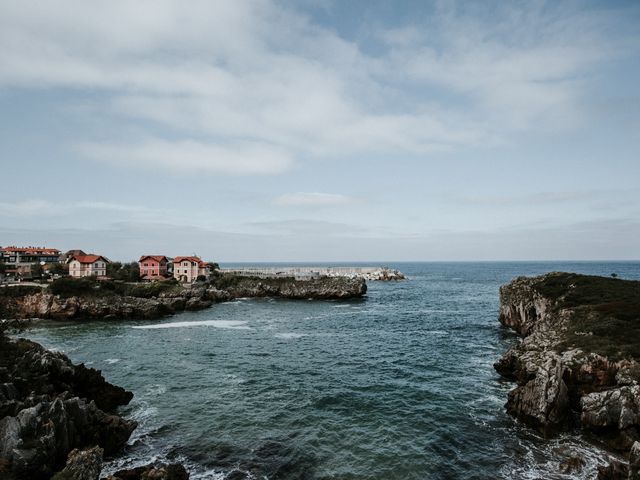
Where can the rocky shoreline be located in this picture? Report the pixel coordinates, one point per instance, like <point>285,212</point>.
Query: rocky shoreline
<point>59,417</point>
<point>577,364</point>
<point>99,302</point>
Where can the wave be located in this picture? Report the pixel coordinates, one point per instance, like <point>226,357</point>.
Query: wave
<point>290,335</point>
<point>232,324</point>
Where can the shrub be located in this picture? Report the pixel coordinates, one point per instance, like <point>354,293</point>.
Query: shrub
<point>19,291</point>
<point>68,287</point>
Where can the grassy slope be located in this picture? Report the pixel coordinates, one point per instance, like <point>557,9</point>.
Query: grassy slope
<point>606,317</point>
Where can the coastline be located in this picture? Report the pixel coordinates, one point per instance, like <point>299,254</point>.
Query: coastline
<point>110,300</point>
<point>578,356</point>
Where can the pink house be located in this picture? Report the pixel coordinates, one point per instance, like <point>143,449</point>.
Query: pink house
<point>153,267</point>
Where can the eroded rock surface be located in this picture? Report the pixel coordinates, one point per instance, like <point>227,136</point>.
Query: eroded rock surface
<point>48,407</point>
<point>579,353</point>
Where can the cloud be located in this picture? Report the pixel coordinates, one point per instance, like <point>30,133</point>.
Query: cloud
<point>189,157</point>
<point>251,87</point>
<point>594,198</point>
<point>42,209</point>
<point>312,200</point>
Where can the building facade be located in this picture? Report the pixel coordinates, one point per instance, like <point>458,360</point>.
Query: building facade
<point>153,267</point>
<point>188,269</point>
<point>87,266</point>
<point>19,260</point>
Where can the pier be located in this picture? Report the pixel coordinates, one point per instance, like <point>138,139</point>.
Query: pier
<point>308,273</point>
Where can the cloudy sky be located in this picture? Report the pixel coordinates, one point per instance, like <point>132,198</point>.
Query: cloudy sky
<point>322,130</point>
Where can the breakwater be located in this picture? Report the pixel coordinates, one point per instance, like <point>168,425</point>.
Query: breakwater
<point>304,273</point>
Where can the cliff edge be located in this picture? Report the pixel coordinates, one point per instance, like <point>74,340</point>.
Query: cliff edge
<point>577,363</point>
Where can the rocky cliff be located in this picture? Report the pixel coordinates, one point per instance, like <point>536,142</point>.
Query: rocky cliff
<point>101,301</point>
<point>577,362</point>
<point>322,288</point>
<point>48,407</point>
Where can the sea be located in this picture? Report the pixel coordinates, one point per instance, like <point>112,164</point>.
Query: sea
<point>399,384</point>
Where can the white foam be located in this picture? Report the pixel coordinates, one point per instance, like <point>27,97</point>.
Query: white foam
<point>289,335</point>
<point>112,360</point>
<point>233,324</point>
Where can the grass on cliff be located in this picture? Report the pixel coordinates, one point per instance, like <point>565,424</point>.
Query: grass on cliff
<point>19,291</point>
<point>227,281</point>
<point>68,287</point>
<point>606,313</point>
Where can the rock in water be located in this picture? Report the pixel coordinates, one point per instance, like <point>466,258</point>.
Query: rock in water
<point>82,465</point>
<point>174,471</point>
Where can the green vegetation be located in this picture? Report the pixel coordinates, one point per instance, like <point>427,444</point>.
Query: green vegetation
<point>90,286</point>
<point>127,272</point>
<point>36,271</point>
<point>59,269</point>
<point>69,287</point>
<point>227,281</point>
<point>143,290</point>
<point>18,291</point>
<point>606,312</point>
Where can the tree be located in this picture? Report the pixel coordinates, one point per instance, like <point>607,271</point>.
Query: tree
<point>36,270</point>
<point>128,272</point>
<point>113,269</point>
<point>59,269</point>
<point>3,268</point>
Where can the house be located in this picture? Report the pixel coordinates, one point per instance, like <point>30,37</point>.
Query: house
<point>188,269</point>
<point>71,253</point>
<point>19,260</point>
<point>153,267</point>
<point>87,265</point>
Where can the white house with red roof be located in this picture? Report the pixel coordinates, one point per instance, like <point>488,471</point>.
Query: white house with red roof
<point>87,265</point>
<point>188,269</point>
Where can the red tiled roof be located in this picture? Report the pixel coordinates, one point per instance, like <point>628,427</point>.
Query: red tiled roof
<point>190,259</point>
<point>88,258</point>
<point>157,258</point>
<point>42,251</point>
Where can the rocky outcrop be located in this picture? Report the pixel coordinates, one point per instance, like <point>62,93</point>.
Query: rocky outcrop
<point>82,465</point>
<point>48,407</point>
<point>322,288</point>
<point>174,471</point>
<point>578,354</point>
<point>107,305</point>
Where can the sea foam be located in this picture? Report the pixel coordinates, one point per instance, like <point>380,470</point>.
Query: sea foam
<point>233,324</point>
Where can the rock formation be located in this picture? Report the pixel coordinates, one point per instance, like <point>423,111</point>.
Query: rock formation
<point>579,353</point>
<point>48,407</point>
<point>322,288</point>
<point>103,303</point>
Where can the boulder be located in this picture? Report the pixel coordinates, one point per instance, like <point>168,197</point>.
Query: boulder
<point>174,471</point>
<point>82,465</point>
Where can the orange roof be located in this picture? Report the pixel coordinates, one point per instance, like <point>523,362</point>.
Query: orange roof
<point>157,258</point>
<point>189,259</point>
<point>88,258</point>
<point>42,251</point>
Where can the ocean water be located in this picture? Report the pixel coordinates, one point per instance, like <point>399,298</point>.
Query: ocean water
<point>397,385</point>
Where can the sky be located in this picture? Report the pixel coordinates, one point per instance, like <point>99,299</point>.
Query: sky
<point>322,130</point>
